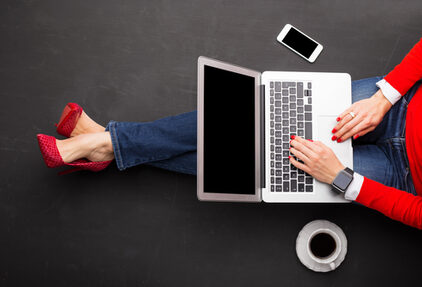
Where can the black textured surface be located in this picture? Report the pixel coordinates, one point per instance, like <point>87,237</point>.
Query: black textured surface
<point>135,60</point>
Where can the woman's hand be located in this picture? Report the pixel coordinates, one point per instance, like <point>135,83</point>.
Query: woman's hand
<point>319,160</point>
<point>368,113</point>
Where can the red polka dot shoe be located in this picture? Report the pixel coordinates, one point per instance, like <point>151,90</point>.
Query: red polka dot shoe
<point>69,118</point>
<point>52,157</point>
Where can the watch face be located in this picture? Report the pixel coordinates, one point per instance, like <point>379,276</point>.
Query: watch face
<point>343,180</point>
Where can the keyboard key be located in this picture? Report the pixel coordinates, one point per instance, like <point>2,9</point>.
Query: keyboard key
<point>271,100</point>
<point>308,93</point>
<point>301,187</point>
<point>308,108</point>
<point>278,188</point>
<point>286,146</point>
<point>308,180</point>
<point>278,149</point>
<point>272,93</point>
<point>272,116</point>
<point>293,114</point>
<point>300,133</point>
<point>278,172</point>
<point>300,102</point>
<point>292,167</point>
<point>272,132</point>
<point>292,129</point>
<point>272,171</point>
<point>286,138</point>
<point>278,180</point>
<point>277,127</point>
<point>308,130</point>
<point>300,171</point>
<point>286,153</point>
<point>272,147</point>
<point>285,160</point>
<point>277,111</point>
<point>300,110</point>
<point>288,84</point>
<point>285,108</point>
<point>309,85</point>
<point>278,118</point>
<point>277,96</point>
<point>286,176</point>
<point>272,85</point>
<point>285,115</point>
<point>293,174</point>
<point>285,92</point>
<point>293,121</point>
<point>278,141</point>
<point>308,116</point>
<point>299,124</point>
<point>272,180</point>
<point>285,100</point>
<point>285,169</point>
<point>300,90</point>
<point>292,98</point>
<point>292,106</point>
<point>293,185</point>
<point>277,86</point>
<point>285,130</point>
<point>278,157</point>
<point>277,104</point>
<point>292,90</point>
<point>272,188</point>
<point>301,178</point>
<point>272,140</point>
<point>285,186</point>
<point>285,123</point>
<point>272,124</point>
<point>278,164</point>
<point>272,156</point>
<point>309,100</point>
<point>272,163</point>
<point>271,108</point>
<point>309,188</point>
<point>300,117</point>
<point>277,134</point>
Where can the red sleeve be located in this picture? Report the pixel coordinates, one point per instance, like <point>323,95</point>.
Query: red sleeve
<point>394,203</point>
<point>408,72</point>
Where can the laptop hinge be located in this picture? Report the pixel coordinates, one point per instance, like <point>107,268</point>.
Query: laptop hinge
<point>262,137</point>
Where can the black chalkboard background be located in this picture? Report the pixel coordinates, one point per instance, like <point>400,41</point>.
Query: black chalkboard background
<point>133,60</point>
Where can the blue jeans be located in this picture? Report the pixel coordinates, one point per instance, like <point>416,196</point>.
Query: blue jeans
<point>170,143</point>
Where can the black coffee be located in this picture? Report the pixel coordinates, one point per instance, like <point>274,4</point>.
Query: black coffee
<point>322,245</point>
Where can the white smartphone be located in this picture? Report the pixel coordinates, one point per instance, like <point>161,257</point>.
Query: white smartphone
<point>300,43</point>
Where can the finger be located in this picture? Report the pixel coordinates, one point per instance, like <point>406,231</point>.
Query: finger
<point>348,127</point>
<point>356,130</point>
<point>306,143</point>
<point>298,154</point>
<point>344,120</point>
<point>343,114</point>
<point>362,133</point>
<point>299,165</point>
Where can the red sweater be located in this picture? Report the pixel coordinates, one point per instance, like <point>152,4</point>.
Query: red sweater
<point>394,203</point>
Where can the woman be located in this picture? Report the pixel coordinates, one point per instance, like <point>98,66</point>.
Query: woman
<point>383,121</point>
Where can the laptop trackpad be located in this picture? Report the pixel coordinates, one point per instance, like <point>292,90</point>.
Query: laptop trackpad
<point>325,125</point>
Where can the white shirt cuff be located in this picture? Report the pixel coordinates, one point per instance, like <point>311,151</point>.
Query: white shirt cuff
<point>392,95</point>
<point>353,189</point>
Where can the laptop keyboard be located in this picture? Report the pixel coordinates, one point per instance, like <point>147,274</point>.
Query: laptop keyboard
<point>290,114</point>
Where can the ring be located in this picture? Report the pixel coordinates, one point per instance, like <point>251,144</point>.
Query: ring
<point>352,114</point>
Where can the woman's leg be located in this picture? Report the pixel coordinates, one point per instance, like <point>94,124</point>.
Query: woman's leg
<point>168,143</point>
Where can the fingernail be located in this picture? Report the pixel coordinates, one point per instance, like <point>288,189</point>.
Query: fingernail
<point>333,138</point>
<point>310,140</point>
<point>338,119</point>
<point>289,156</point>
<point>292,137</point>
<point>339,140</point>
<point>355,137</point>
<point>333,131</point>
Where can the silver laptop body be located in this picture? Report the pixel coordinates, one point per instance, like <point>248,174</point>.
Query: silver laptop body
<point>305,103</point>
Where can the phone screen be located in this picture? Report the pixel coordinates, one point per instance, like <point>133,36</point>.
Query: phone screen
<point>299,42</point>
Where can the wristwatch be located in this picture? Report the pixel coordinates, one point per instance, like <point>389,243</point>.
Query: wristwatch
<point>343,180</point>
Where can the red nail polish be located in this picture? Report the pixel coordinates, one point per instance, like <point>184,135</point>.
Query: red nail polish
<point>289,156</point>
<point>333,138</point>
<point>333,131</point>
<point>338,119</point>
<point>292,137</point>
<point>355,137</point>
<point>339,140</point>
<point>310,140</point>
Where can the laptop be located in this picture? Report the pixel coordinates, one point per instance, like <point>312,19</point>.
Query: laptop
<point>245,120</point>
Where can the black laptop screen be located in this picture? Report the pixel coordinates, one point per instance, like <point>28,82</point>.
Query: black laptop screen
<point>229,132</point>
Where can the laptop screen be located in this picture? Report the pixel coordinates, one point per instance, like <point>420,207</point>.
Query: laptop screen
<point>229,132</point>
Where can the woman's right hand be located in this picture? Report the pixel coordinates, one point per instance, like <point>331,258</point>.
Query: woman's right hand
<point>368,113</point>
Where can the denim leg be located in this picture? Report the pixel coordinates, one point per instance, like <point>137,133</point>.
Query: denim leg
<point>168,143</point>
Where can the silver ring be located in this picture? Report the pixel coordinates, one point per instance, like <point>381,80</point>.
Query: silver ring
<point>352,114</point>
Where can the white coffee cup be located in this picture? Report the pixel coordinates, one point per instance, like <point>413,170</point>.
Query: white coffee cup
<point>330,259</point>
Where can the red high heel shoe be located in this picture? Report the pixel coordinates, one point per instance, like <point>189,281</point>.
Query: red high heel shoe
<point>68,119</point>
<point>52,157</point>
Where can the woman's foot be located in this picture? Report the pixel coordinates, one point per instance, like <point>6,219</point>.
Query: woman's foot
<point>86,125</point>
<point>92,146</point>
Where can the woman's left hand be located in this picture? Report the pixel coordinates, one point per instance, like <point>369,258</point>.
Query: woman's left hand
<point>319,160</point>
